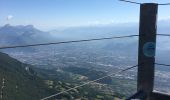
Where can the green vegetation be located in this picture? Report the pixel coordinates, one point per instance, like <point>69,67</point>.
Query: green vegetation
<point>21,82</point>
<point>83,93</point>
<point>91,74</point>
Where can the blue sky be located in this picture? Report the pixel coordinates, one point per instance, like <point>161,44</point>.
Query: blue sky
<point>50,14</point>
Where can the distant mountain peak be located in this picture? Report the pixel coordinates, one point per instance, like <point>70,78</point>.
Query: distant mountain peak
<point>7,25</point>
<point>29,26</point>
<point>19,26</point>
<point>22,34</point>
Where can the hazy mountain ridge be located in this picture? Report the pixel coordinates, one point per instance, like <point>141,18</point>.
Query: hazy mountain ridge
<point>95,31</point>
<point>20,35</point>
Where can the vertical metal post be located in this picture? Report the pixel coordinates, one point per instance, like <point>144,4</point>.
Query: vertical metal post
<point>147,47</point>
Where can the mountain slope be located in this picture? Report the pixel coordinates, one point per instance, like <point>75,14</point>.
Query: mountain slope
<point>23,83</point>
<point>20,83</point>
<point>23,35</point>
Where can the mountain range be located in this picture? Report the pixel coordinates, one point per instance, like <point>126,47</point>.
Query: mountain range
<point>22,35</point>
<point>99,55</point>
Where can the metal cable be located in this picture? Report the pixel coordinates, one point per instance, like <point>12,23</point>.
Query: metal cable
<point>66,42</point>
<point>163,34</point>
<point>113,74</point>
<point>131,2</point>
<point>139,3</point>
<point>164,4</point>
<point>162,64</point>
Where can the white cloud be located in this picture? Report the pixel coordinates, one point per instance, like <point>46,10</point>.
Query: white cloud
<point>9,17</point>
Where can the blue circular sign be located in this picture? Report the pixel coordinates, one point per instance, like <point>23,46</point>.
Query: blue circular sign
<point>149,49</point>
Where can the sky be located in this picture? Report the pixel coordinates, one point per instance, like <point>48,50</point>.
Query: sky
<point>51,14</point>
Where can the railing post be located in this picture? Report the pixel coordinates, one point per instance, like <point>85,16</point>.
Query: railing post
<point>147,46</point>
